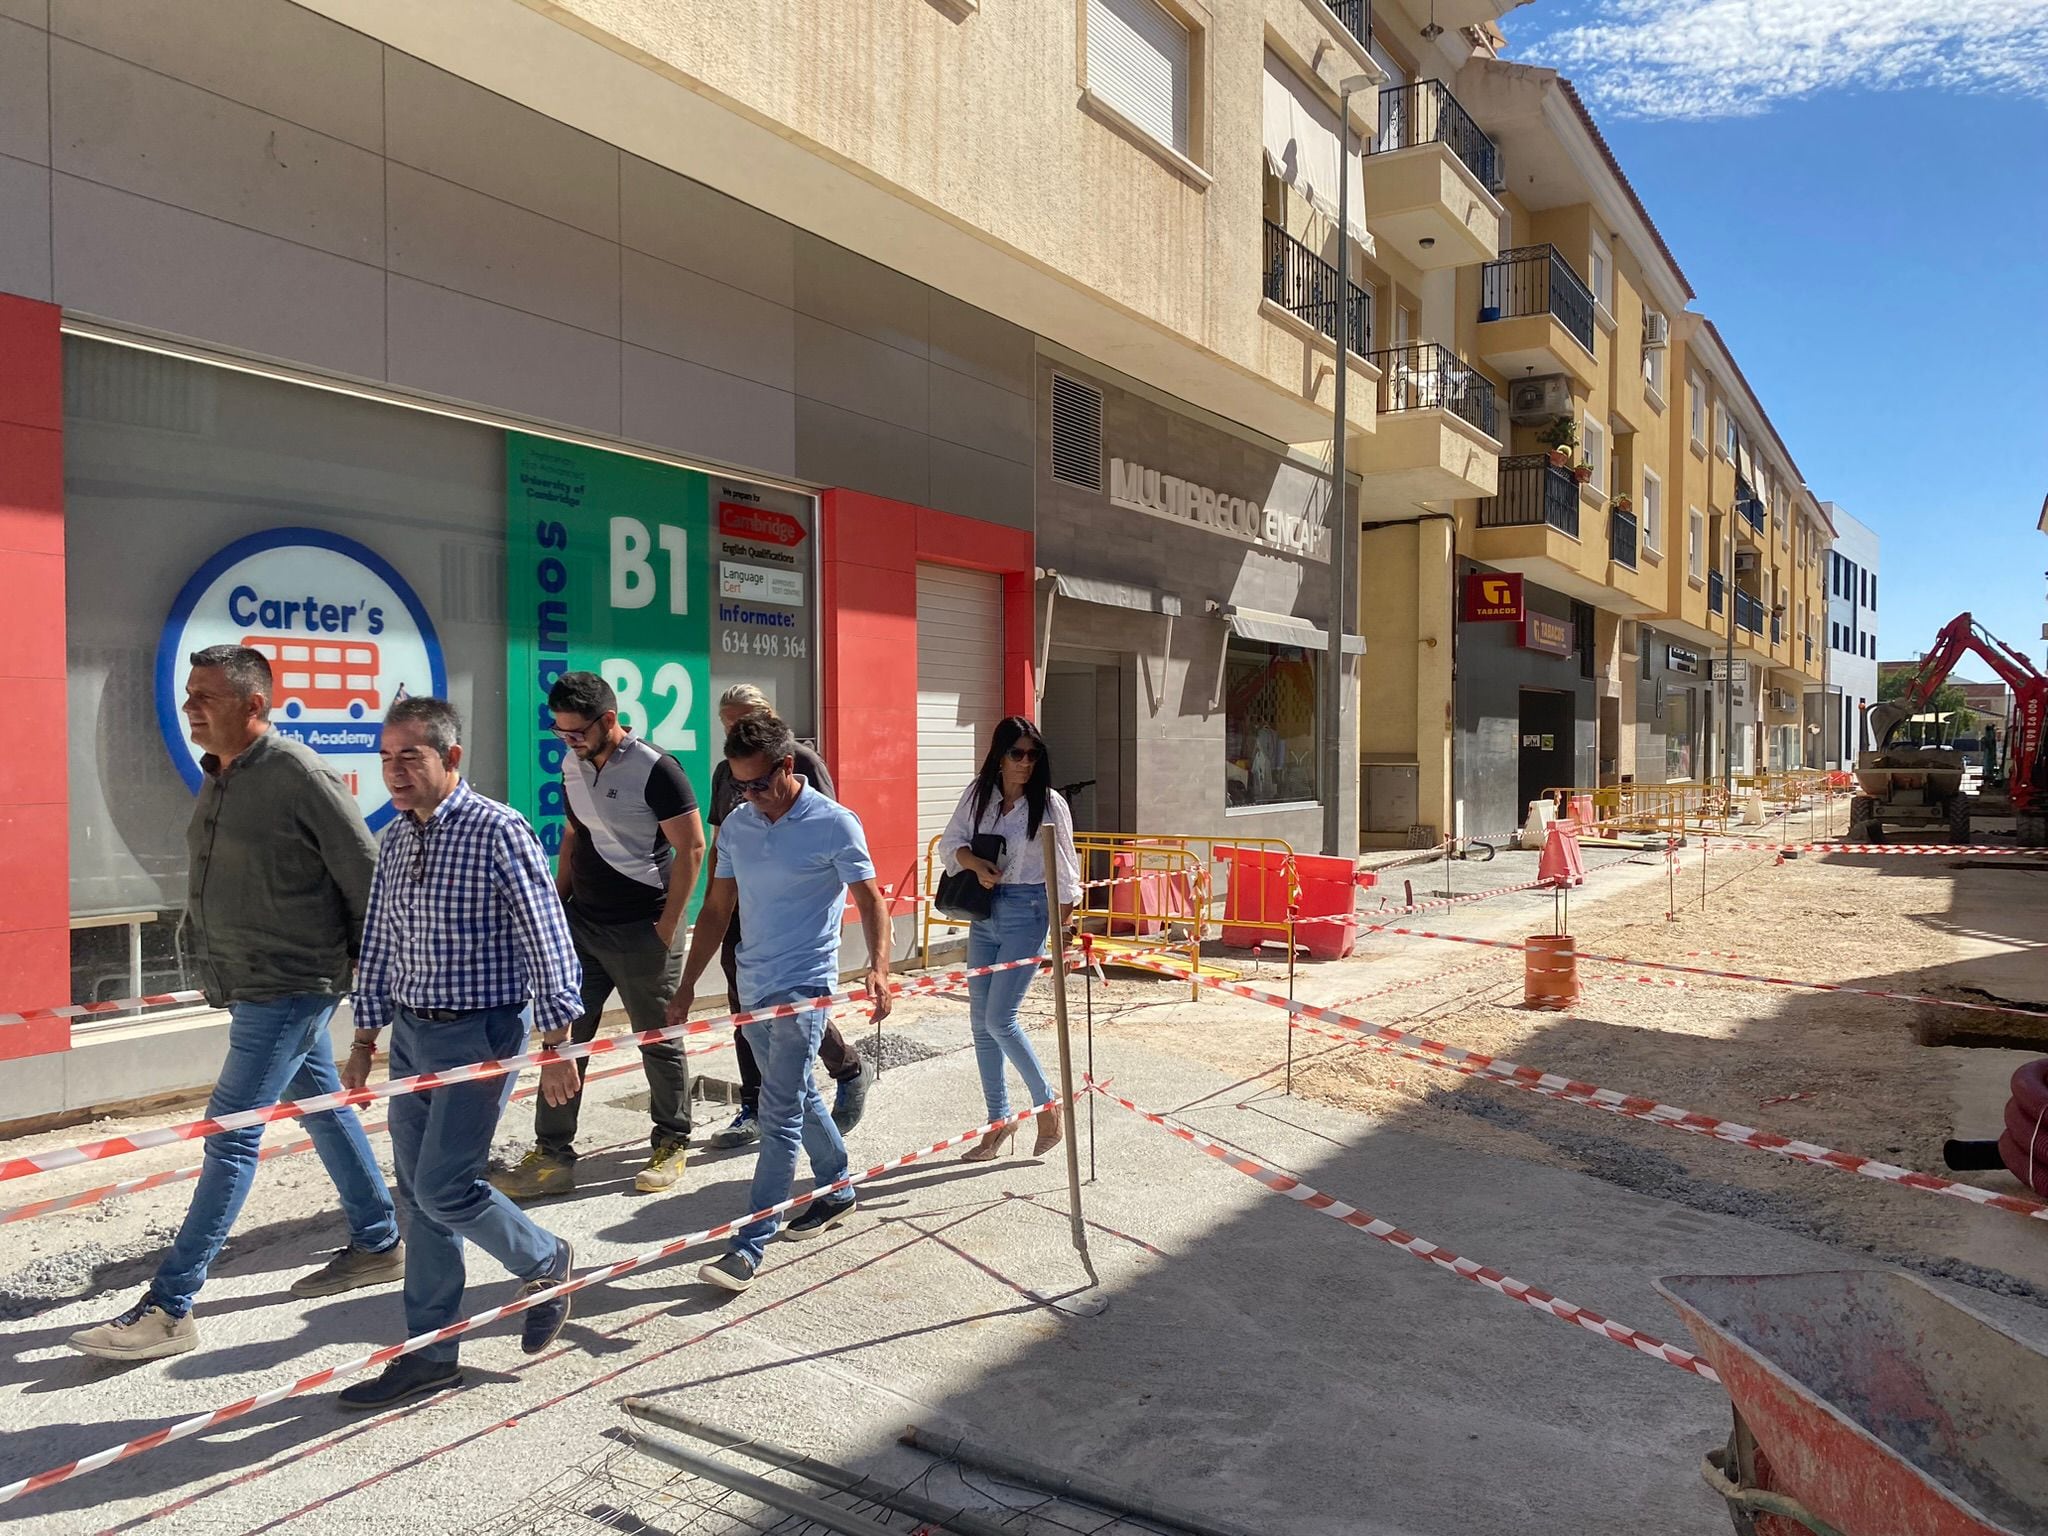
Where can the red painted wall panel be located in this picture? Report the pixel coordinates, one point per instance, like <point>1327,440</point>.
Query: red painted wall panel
<point>35,898</point>
<point>872,548</point>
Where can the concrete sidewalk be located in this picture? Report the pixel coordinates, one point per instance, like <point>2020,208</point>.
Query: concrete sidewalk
<point>1256,1360</point>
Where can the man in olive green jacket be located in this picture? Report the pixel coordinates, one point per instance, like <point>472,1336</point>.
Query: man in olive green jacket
<point>280,876</point>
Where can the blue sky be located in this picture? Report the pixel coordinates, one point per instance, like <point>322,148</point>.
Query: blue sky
<point>1857,191</point>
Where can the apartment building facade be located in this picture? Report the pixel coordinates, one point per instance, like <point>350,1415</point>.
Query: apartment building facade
<point>695,346</point>
<point>1852,634</point>
<point>1645,515</point>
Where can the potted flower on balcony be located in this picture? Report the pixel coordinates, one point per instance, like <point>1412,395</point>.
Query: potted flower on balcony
<point>1624,503</point>
<point>1584,472</point>
<point>1560,437</point>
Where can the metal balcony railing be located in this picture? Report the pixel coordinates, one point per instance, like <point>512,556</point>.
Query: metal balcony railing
<point>1537,280</point>
<point>1305,285</point>
<point>1427,376</point>
<point>1621,538</point>
<point>1356,16</point>
<point>1747,506</point>
<point>1532,490</point>
<point>1749,612</point>
<point>1777,629</point>
<point>1427,113</point>
<point>1716,586</point>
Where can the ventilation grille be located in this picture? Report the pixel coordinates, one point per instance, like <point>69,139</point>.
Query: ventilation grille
<point>1076,433</point>
<point>132,388</point>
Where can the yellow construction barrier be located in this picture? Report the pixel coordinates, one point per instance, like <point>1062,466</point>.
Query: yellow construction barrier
<point>1144,892</point>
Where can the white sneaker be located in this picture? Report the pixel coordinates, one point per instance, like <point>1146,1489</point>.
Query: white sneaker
<point>144,1332</point>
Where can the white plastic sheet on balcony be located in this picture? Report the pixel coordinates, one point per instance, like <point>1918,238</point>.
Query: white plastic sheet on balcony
<point>1300,138</point>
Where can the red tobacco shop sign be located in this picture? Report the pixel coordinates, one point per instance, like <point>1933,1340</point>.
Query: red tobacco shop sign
<point>1490,596</point>
<point>1541,632</point>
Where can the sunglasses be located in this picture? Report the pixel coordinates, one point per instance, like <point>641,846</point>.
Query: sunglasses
<point>1022,754</point>
<point>579,732</point>
<point>763,784</point>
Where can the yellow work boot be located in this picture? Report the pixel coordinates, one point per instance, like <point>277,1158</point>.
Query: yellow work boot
<point>536,1176</point>
<point>662,1170</point>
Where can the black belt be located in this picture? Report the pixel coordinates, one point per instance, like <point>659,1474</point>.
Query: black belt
<point>441,1015</point>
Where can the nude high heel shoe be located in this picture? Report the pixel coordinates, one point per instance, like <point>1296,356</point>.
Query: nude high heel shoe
<point>990,1147</point>
<point>1049,1132</point>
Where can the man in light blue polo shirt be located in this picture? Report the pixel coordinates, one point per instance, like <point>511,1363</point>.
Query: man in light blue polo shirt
<point>786,859</point>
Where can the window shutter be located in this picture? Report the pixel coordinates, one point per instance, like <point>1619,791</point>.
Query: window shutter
<point>1076,433</point>
<point>1138,62</point>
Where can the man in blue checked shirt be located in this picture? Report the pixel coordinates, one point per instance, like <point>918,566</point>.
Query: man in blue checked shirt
<point>463,930</point>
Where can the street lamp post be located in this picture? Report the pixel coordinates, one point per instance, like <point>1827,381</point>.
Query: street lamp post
<point>1341,559</point>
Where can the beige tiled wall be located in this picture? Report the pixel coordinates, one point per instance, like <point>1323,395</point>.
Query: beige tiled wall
<point>246,174</point>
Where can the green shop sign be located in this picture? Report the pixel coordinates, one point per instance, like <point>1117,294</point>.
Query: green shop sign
<point>609,572</point>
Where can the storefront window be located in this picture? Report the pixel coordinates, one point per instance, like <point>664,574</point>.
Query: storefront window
<point>1681,730</point>
<point>1269,723</point>
<point>169,466</point>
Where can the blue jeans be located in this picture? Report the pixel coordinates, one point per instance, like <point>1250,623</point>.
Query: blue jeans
<point>276,1050</point>
<point>1015,930</point>
<point>792,1112</point>
<point>441,1144</point>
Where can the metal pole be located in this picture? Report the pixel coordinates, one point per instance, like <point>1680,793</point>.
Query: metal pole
<point>1340,513</point>
<point>1056,946</point>
<point>1075,1486</point>
<point>774,1495</point>
<point>1088,982</point>
<point>1728,671</point>
<point>903,1500</point>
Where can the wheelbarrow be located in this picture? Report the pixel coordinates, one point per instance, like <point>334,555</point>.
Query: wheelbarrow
<point>1869,1404</point>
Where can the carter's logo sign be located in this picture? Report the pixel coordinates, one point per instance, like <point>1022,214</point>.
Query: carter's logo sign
<point>345,636</point>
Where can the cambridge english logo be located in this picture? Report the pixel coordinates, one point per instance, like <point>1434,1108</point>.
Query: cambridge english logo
<point>345,636</point>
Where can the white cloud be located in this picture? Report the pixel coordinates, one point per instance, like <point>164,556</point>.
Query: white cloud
<point>1731,58</point>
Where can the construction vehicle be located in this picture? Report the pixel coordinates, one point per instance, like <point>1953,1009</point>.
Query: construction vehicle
<point>1909,785</point>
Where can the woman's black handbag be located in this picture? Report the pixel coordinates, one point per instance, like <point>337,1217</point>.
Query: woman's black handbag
<point>961,896</point>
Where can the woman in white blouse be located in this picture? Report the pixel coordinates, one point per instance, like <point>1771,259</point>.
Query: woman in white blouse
<point>1013,798</point>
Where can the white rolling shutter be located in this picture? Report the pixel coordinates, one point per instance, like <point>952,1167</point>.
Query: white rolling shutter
<point>1138,62</point>
<point>959,685</point>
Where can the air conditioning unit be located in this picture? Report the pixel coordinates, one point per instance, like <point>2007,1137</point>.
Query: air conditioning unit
<point>1534,400</point>
<point>1782,701</point>
<point>1747,560</point>
<point>1656,330</point>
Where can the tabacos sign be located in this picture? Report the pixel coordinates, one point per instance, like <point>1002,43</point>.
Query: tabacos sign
<point>1492,596</point>
<point>345,636</point>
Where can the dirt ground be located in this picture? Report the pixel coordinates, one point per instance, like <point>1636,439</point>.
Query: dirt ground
<point>1847,1071</point>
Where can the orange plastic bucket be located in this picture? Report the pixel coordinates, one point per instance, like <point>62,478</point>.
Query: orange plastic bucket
<point>1550,972</point>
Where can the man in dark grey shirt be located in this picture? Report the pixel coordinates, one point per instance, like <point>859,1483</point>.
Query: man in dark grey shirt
<point>841,1062</point>
<point>627,868</point>
<point>280,876</point>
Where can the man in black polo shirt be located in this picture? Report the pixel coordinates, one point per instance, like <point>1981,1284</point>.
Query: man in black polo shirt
<point>629,861</point>
<point>840,1061</point>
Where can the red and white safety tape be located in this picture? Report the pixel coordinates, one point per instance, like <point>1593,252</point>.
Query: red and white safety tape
<point>200,1422</point>
<point>120,1146</point>
<point>85,1197</point>
<point>1500,1069</point>
<point>1720,975</point>
<point>1926,850</point>
<point>1373,1226</point>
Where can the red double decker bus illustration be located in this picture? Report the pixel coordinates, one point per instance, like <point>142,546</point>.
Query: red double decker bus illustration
<point>319,674</point>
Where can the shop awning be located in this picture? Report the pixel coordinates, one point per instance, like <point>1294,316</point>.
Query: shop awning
<point>1113,594</point>
<point>1284,629</point>
<point>1300,139</point>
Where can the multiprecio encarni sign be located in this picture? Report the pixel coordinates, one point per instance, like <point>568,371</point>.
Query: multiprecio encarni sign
<point>1294,532</point>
